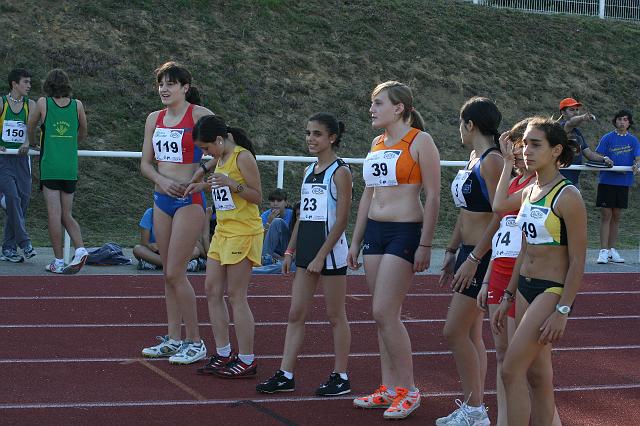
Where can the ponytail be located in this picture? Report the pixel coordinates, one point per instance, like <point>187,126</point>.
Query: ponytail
<point>193,96</point>
<point>416,120</point>
<point>240,138</point>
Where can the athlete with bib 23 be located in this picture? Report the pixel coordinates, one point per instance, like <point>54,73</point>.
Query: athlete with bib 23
<point>395,231</point>
<point>177,219</point>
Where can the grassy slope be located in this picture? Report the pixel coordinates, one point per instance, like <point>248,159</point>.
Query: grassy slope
<point>267,64</point>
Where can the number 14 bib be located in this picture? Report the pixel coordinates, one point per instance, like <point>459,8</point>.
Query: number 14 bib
<point>508,240</point>
<point>167,144</point>
<point>380,168</point>
<point>313,202</point>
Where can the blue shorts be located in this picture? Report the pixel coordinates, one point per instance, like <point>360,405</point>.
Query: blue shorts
<point>474,288</point>
<point>170,205</point>
<point>397,238</point>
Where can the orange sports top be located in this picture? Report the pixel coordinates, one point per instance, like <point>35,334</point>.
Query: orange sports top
<point>407,169</point>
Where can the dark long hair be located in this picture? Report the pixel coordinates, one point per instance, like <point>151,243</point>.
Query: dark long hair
<point>485,116</point>
<point>176,73</point>
<point>555,134</point>
<point>57,85</point>
<point>331,123</point>
<point>209,127</point>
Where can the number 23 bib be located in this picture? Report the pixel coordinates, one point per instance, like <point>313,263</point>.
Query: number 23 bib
<point>313,202</point>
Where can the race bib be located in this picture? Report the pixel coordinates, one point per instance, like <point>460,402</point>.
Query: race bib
<point>167,144</point>
<point>222,198</point>
<point>531,220</point>
<point>380,168</point>
<point>508,240</point>
<point>460,187</point>
<point>14,131</point>
<point>313,202</point>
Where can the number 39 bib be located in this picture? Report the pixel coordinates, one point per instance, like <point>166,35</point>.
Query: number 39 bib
<point>167,144</point>
<point>313,202</point>
<point>380,168</point>
<point>14,131</point>
<point>508,240</point>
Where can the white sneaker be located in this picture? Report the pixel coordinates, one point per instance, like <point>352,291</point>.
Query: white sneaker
<point>193,266</point>
<point>614,256</point>
<point>603,257</point>
<point>54,267</point>
<point>189,353</point>
<point>166,348</point>
<point>77,263</point>
<point>464,416</point>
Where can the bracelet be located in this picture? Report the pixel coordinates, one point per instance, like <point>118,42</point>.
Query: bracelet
<point>450,250</point>
<point>510,296</point>
<point>204,168</point>
<point>424,245</point>
<point>485,283</point>
<point>473,259</point>
<point>289,252</point>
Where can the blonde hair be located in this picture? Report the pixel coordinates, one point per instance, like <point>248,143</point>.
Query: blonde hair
<point>400,93</point>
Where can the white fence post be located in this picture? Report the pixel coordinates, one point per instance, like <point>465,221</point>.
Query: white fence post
<point>601,9</point>
<point>67,247</point>
<point>280,183</point>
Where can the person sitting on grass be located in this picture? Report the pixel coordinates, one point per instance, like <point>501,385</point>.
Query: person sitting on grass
<point>147,251</point>
<point>278,223</point>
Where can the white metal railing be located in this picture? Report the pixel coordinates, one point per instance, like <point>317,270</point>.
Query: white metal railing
<point>613,9</point>
<point>280,159</point>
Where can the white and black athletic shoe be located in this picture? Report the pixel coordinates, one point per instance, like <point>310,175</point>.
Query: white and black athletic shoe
<point>335,386</point>
<point>277,383</point>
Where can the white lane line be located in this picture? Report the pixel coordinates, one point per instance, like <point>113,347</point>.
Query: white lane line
<point>309,356</point>
<point>277,323</point>
<point>274,399</point>
<point>274,296</point>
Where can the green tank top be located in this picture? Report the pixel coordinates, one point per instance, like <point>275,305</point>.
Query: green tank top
<point>59,142</point>
<point>14,126</point>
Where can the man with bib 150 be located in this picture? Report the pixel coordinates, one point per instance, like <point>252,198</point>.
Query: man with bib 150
<point>15,170</point>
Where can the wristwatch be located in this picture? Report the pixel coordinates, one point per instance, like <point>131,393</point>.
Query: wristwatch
<point>563,309</point>
<point>239,188</point>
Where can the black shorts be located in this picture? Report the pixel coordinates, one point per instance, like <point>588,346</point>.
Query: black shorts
<point>612,196</point>
<point>68,186</point>
<point>328,272</point>
<point>474,288</point>
<point>530,288</point>
<point>398,238</point>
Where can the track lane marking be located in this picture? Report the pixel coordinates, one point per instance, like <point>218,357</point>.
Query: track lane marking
<point>274,399</point>
<point>308,356</point>
<point>168,377</point>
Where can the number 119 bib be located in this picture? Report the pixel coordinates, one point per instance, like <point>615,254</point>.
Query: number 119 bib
<point>167,144</point>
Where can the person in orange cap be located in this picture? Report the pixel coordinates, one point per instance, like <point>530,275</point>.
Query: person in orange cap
<point>571,119</point>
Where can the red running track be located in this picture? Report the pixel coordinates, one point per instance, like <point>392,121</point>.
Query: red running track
<point>71,345</point>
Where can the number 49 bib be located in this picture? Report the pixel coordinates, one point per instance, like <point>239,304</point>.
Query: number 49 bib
<point>313,202</point>
<point>167,144</point>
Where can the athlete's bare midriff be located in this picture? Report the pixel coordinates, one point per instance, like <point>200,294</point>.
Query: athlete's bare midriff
<point>400,203</point>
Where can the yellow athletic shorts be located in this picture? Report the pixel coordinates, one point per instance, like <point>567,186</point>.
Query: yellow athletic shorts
<point>232,250</point>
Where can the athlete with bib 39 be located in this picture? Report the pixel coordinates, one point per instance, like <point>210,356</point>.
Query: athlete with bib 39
<point>395,231</point>
<point>177,219</point>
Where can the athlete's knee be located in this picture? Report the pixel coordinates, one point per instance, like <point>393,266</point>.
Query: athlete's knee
<point>297,314</point>
<point>605,214</point>
<point>501,351</point>
<point>138,250</point>
<point>508,373</point>
<point>175,277</point>
<point>237,297</point>
<point>337,317</point>
<point>453,332</point>
<point>214,290</point>
<point>540,377</point>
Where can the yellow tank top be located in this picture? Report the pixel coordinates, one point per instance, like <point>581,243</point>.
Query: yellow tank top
<point>244,217</point>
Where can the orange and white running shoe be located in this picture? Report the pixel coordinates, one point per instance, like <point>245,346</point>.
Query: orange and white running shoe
<point>403,404</point>
<point>378,399</point>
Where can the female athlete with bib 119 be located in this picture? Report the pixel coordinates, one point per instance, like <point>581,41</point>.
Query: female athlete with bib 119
<point>395,232</point>
<point>177,220</point>
<point>236,245</point>
<point>549,273</point>
<point>473,190</point>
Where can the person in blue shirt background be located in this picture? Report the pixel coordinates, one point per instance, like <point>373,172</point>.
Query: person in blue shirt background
<point>147,251</point>
<point>613,188</point>
<point>277,223</point>
<point>571,119</point>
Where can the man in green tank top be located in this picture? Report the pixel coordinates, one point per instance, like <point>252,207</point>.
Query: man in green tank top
<point>15,170</point>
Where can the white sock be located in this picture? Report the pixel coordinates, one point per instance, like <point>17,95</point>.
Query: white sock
<point>59,262</point>
<point>80,251</point>
<point>224,351</point>
<point>247,359</point>
<point>471,408</point>
<point>343,376</point>
<point>288,374</point>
